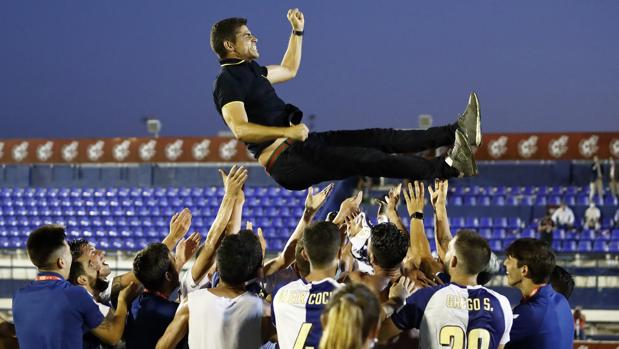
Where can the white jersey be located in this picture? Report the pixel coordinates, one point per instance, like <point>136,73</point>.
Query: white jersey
<point>224,323</point>
<point>297,307</point>
<point>450,316</point>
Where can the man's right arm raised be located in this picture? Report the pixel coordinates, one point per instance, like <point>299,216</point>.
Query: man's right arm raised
<point>236,118</point>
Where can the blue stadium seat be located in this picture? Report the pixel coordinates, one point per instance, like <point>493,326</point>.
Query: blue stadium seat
<point>496,245</point>
<point>600,246</point>
<point>615,235</point>
<point>613,246</point>
<point>584,246</point>
<point>485,222</point>
<point>498,200</point>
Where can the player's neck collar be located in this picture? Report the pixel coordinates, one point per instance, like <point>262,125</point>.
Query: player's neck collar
<point>231,61</point>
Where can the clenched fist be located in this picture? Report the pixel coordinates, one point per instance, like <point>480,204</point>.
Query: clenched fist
<point>298,132</point>
<point>296,19</point>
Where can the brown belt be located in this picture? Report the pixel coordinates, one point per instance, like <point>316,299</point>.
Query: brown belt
<point>276,153</point>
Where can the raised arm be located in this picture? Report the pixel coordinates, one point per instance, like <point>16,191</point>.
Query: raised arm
<point>420,247</point>
<point>236,118</point>
<point>292,58</point>
<point>442,231</point>
<point>392,199</point>
<point>313,202</point>
<point>179,226</point>
<point>111,329</point>
<point>233,182</point>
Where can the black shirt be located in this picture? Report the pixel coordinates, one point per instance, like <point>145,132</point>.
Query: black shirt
<point>149,316</point>
<point>245,81</point>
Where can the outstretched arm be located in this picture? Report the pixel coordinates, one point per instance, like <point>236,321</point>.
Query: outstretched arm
<point>233,183</point>
<point>420,247</point>
<point>442,231</point>
<point>313,202</point>
<point>292,58</point>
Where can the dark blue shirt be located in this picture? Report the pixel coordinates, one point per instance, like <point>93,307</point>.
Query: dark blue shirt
<point>543,321</point>
<point>53,314</point>
<point>245,81</point>
<point>149,316</point>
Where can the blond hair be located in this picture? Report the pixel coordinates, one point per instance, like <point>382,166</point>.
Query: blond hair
<point>350,316</point>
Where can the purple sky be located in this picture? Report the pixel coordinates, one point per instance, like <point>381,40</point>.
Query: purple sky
<point>95,68</point>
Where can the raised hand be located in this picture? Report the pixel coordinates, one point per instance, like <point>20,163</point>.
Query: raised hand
<point>263,242</point>
<point>313,202</point>
<point>401,290</point>
<point>179,224</point>
<point>348,208</point>
<point>414,198</point>
<point>296,19</point>
<point>234,180</point>
<point>393,197</point>
<point>186,248</point>
<point>438,196</point>
<point>129,293</point>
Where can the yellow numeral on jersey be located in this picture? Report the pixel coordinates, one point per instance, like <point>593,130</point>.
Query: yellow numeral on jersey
<point>299,343</point>
<point>478,338</point>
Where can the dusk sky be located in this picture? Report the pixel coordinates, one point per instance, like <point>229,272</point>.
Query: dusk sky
<point>96,68</point>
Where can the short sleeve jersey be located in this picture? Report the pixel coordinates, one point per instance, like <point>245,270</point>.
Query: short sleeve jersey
<point>296,311</point>
<point>65,310</point>
<point>452,316</point>
<point>543,321</point>
<point>245,81</point>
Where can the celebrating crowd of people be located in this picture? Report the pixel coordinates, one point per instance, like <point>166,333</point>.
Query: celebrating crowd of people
<point>340,283</point>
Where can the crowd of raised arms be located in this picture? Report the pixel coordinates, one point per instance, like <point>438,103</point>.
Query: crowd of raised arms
<point>340,283</point>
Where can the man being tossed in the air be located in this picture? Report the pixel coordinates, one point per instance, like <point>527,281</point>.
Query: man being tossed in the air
<point>296,158</point>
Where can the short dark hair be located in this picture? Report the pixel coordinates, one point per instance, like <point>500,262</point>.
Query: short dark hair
<point>388,245</point>
<point>77,270</point>
<point>239,257</point>
<point>151,264</point>
<point>225,30</point>
<point>536,255</point>
<point>302,264</point>
<point>76,247</point>
<point>472,250</point>
<point>562,281</point>
<point>322,243</point>
<point>43,243</point>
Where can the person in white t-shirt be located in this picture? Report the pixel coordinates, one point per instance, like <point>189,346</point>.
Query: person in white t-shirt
<point>563,216</point>
<point>226,316</point>
<point>592,217</point>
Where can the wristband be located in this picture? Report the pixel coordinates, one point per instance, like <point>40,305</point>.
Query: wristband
<point>417,215</point>
<point>297,32</point>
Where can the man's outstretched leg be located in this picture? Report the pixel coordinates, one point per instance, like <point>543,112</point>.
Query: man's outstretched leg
<point>408,141</point>
<point>304,164</point>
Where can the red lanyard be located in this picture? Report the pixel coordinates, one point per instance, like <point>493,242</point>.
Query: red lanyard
<point>533,293</point>
<point>156,293</point>
<point>47,278</point>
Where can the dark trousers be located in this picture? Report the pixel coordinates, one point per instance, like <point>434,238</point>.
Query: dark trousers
<point>335,155</point>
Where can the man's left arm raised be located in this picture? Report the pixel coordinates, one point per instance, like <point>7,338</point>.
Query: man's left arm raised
<point>292,58</point>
